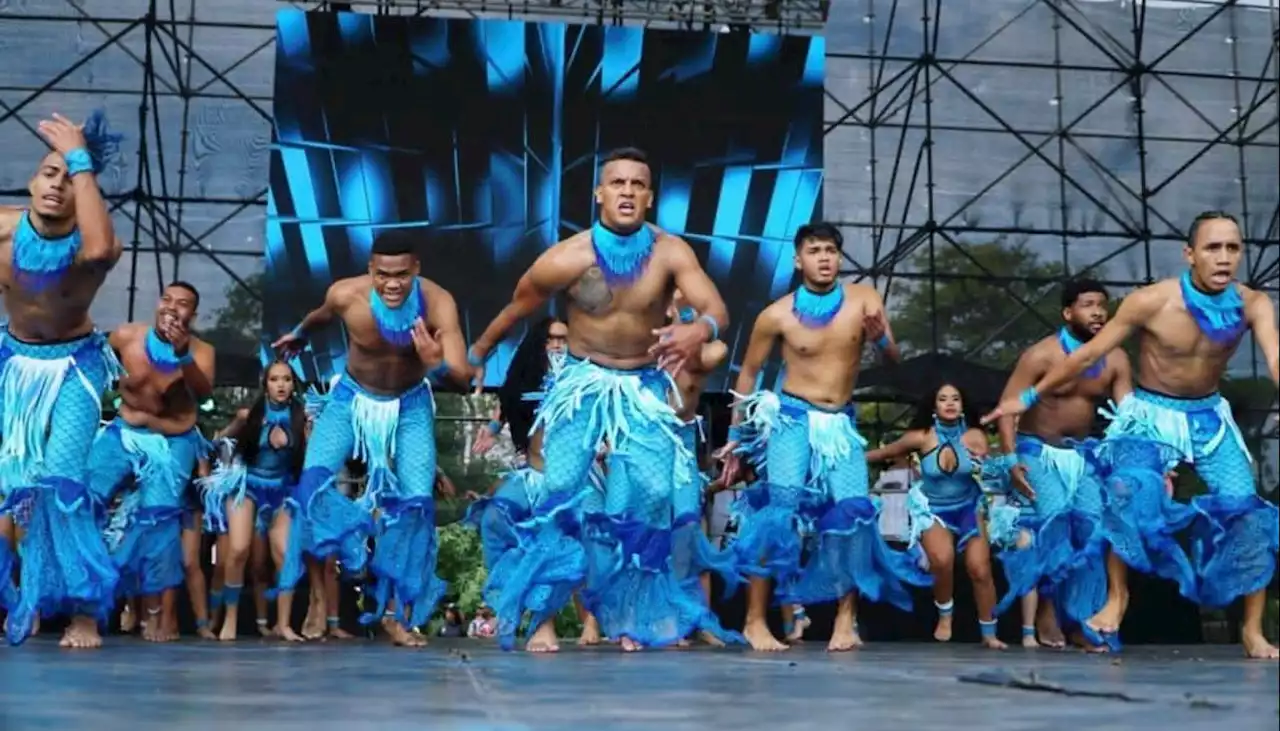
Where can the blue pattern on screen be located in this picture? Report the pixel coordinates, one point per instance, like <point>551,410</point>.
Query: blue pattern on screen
<point>487,134</point>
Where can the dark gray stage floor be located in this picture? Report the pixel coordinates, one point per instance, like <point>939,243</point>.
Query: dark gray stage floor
<point>471,686</point>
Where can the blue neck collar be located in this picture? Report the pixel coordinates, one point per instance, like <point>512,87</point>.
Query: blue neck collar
<point>395,324</point>
<point>275,411</point>
<point>161,354</point>
<point>817,309</point>
<point>1219,316</point>
<point>622,258</point>
<point>949,431</point>
<point>1070,344</point>
<point>38,263</point>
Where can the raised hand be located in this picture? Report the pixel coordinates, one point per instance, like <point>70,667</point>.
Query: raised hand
<point>289,344</point>
<point>1009,407</point>
<point>62,134</point>
<point>176,334</point>
<point>874,326</point>
<point>430,352</point>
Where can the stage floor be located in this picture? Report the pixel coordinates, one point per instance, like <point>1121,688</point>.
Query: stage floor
<point>472,686</point>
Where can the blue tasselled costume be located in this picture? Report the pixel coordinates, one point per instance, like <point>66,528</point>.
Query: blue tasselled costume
<point>395,438</point>
<point>1235,532</point>
<point>50,408</point>
<point>624,551</point>
<point>148,524</point>
<point>268,482</point>
<point>813,456</point>
<point>1054,544</point>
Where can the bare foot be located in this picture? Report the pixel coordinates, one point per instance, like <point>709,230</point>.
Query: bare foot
<point>590,632</point>
<point>544,639</point>
<point>1029,641</point>
<point>228,633</point>
<point>401,637</point>
<point>797,632</point>
<point>263,629</point>
<point>35,627</point>
<point>710,639</point>
<point>1051,634</point>
<point>844,636</point>
<point>314,624</point>
<point>761,639</point>
<point>128,619</point>
<point>684,644</point>
<point>1078,639</point>
<point>1108,619</point>
<point>153,628</point>
<point>81,634</point>
<point>339,633</point>
<point>1257,647</point>
<point>942,632</point>
<point>630,645</point>
<point>286,633</point>
<point>993,643</point>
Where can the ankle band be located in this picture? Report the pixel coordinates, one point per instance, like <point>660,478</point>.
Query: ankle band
<point>988,628</point>
<point>1028,631</point>
<point>331,621</point>
<point>944,609</point>
<point>231,595</point>
<point>260,622</point>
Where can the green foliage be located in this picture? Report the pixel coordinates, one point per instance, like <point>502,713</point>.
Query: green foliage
<point>461,565</point>
<point>237,326</point>
<point>977,318</point>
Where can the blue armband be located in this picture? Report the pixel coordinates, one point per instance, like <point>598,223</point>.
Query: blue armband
<point>439,372</point>
<point>715,327</point>
<point>735,433</point>
<point>495,427</point>
<point>1029,397</point>
<point>883,342</point>
<point>474,360</point>
<point>78,161</point>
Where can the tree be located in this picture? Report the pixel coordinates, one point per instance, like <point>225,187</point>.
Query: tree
<point>979,319</point>
<point>237,325</point>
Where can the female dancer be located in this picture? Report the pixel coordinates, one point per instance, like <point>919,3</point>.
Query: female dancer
<point>243,498</point>
<point>944,503</point>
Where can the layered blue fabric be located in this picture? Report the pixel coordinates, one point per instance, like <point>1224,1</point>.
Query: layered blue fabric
<point>816,310</point>
<point>394,436</point>
<point>149,554</point>
<point>692,553</point>
<point>1235,533</point>
<point>1059,546</point>
<point>631,589</point>
<point>816,456</point>
<point>525,575</point>
<point>1219,316</point>
<point>949,499</point>
<point>266,482</point>
<point>50,408</point>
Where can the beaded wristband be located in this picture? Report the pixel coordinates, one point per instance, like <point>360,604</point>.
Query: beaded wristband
<point>474,360</point>
<point>439,371</point>
<point>495,427</point>
<point>883,342</point>
<point>1029,397</point>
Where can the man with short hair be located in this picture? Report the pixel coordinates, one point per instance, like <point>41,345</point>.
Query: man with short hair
<point>1191,326</point>
<point>612,389</point>
<point>1046,460</point>
<point>54,367</point>
<point>805,437</point>
<point>402,332</point>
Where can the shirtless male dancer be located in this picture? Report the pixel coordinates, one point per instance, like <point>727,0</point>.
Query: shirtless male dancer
<point>619,276</point>
<point>154,439</point>
<point>1190,326</point>
<point>1045,456</point>
<point>402,332</point>
<point>808,438</point>
<point>54,367</point>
